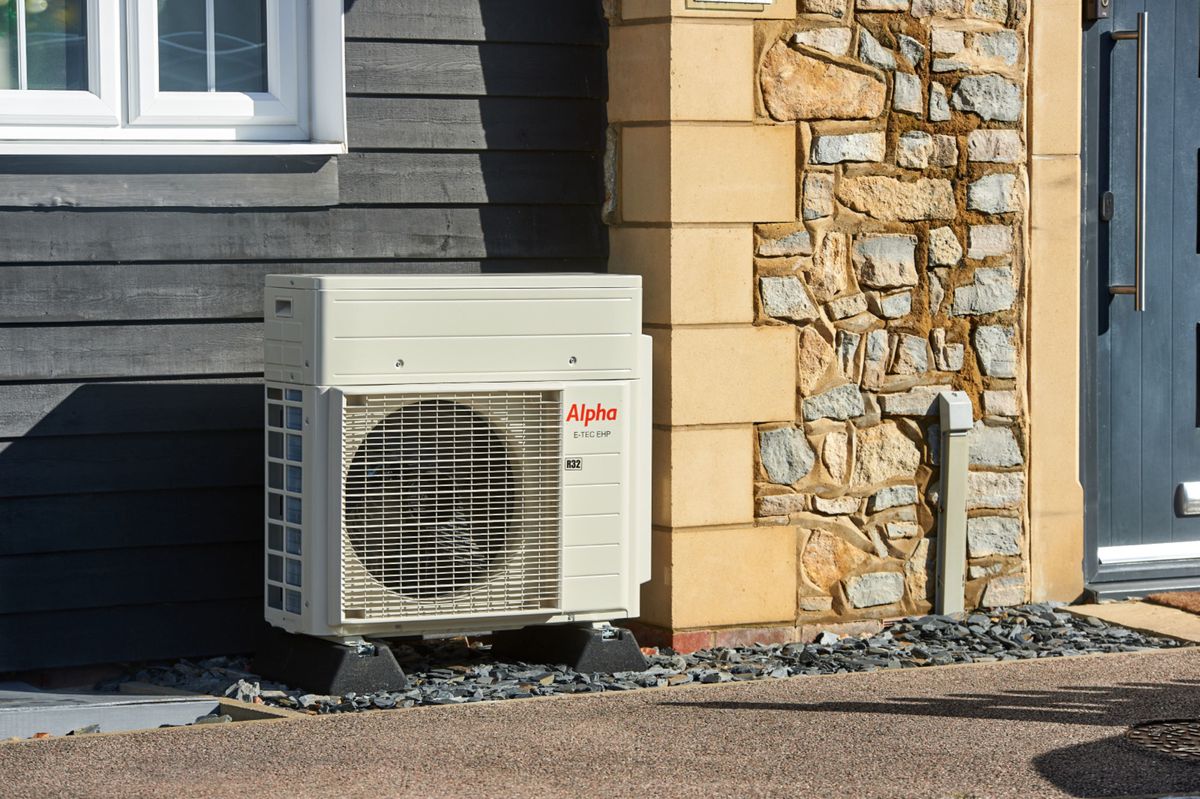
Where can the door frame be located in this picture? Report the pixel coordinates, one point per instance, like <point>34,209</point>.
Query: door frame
<point>1114,580</point>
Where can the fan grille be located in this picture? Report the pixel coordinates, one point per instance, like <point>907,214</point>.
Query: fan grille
<point>450,503</point>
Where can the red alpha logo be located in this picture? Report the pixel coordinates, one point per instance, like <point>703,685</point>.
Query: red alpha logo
<point>582,413</point>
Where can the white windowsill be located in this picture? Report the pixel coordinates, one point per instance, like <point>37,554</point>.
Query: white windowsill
<point>170,148</point>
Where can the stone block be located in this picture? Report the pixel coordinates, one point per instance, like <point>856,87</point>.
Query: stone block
<point>995,146</point>
<point>703,476</point>
<point>1001,403</point>
<point>841,403</point>
<point>1005,592</point>
<point>818,196</point>
<point>827,558</point>
<point>995,489</point>
<point>993,447</point>
<point>944,247</point>
<point>708,173</point>
<point>995,194</point>
<point>912,50</point>
<point>993,535</point>
<point>993,290</point>
<point>889,199</point>
<point>875,589</point>
<point>947,41</point>
<point>870,51</point>
<point>786,455</point>
<point>835,41</point>
<point>847,351</point>
<point>756,587</point>
<point>833,8</point>
<point>902,530</point>
<point>937,289</point>
<point>993,10</point>
<point>1000,46</point>
<point>939,103</point>
<point>996,348</point>
<point>840,148</point>
<point>886,262</point>
<point>814,356</point>
<point>815,604</point>
<point>781,504</point>
<point>835,454</point>
<point>724,375</point>
<point>990,240</point>
<point>786,298</point>
<point>798,242</point>
<point>913,150</point>
<point>797,86</point>
<point>896,306</point>
<point>883,454</point>
<point>827,277</point>
<point>989,96</point>
<point>919,401</point>
<point>690,275</point>
<point>907,96</point>
<point>946,357</point>
<point>911,356</point>
<point>939,8</point>
<point>894,497</point>
<point>842,506</point>
<point>845,307</point>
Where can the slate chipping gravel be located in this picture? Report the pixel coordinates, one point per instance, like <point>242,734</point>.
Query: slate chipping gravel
<point>455,672</point>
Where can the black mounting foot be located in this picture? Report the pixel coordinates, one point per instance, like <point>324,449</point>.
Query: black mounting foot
<point>584,648</point>
<point>327,667</point>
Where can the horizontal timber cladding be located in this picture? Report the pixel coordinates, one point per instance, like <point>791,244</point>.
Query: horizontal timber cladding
<point>130,309</point>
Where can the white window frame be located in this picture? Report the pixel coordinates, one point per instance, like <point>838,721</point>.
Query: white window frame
<point>302,112</point>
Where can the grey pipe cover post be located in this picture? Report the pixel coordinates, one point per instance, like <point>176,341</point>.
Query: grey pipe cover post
<point>957,418</point>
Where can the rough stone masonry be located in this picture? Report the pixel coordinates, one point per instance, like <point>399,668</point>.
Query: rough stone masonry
<point>904,276</point>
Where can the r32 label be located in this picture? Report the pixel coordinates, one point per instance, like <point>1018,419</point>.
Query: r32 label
<point>573,464</point>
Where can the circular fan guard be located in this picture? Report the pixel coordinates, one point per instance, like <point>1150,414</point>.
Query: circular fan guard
<point>430,498</point>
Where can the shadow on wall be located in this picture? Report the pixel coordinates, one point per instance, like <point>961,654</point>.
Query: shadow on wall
<point>1107,767</point>
<point>129,521</point>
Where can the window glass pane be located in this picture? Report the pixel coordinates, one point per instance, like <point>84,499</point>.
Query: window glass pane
<point>182,46</point>
<point>241,39</point>
<point>56,44</point>
<point>8,45</point>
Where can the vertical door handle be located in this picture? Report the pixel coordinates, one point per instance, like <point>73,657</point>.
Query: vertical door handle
<point>1138,289</point>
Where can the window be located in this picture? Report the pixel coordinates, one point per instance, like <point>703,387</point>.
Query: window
<point>116,76</point>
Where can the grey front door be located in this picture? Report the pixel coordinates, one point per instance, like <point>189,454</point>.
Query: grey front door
<point>1142,404</point>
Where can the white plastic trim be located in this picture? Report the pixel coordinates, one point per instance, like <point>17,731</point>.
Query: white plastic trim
<point>1150,553</point>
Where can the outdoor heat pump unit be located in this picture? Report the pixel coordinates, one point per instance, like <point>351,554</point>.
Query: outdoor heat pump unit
<point>454,453</point>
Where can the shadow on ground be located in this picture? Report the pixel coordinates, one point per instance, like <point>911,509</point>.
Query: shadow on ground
<point>1109,767</point>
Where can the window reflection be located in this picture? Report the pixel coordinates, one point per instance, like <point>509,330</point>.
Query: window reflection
<point>212,46</point>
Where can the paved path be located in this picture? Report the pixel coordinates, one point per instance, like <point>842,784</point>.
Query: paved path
<point>1030,729</point>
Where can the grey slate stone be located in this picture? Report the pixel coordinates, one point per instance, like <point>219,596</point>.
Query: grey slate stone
<point>786,455</point>
<point>919,401</point>
<point>939,103</point>
<point>874,589</point>
<point>993,535</point>
<point>896,306</point>
<point>1002,45</point>
<point>907,95</point>
<point>841,403</point>
<point>912,50</point>
<point>893,497</point>
<point>990,96</point>
<point>886,261</point>
<point>835,41</point>
<point>872,52</point>
<point>996,348</point>
<point>840,148</point>
<point>993,289</point>
<point>993,447</point>
<point>786,298</point>
<point>844,307</point>
<point>994,194</point>
<point>797,243</point>
<point>990,240</point>
<point>1004,591</point>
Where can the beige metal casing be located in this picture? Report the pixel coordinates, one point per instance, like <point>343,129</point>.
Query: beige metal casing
<point>333,342</point>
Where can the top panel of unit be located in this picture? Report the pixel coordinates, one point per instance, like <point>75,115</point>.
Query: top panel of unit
<point>577,280</point>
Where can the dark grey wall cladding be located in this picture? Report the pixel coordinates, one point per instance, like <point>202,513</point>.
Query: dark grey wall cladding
<point>130,321</point>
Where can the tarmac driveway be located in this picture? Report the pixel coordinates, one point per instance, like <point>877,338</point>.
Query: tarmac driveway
<point>1026,729</point>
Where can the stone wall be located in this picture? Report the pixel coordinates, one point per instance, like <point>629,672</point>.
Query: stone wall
<point>903,276</point>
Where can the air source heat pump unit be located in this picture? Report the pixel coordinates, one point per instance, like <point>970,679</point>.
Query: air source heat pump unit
<point>454,453</point>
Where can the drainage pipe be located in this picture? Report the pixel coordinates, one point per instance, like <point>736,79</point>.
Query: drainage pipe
<point>957,417</point>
